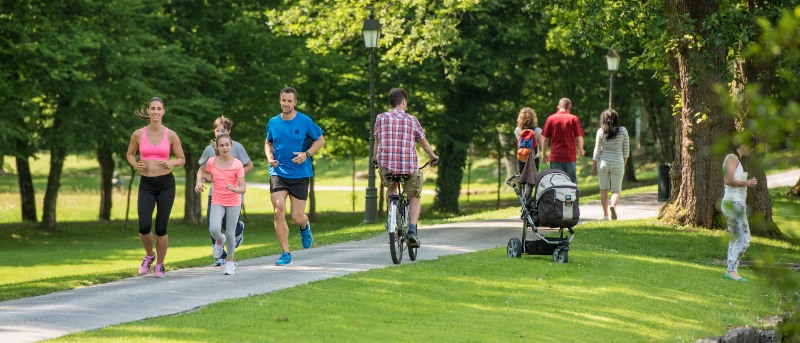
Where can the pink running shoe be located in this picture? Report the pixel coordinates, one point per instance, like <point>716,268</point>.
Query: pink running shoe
<point>146,262</point>
<point>159,270</point>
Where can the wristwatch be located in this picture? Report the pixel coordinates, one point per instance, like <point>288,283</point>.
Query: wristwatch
<point>308,154</point>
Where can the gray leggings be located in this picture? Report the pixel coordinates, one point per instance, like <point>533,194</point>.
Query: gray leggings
<point>216,212</point>
<point>739,230</point>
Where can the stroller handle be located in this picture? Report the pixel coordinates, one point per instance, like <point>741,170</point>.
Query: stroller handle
<point>512,177</point>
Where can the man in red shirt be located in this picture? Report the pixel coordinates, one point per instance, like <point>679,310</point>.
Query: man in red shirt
<point>564,133</point>
<point>396,134</point>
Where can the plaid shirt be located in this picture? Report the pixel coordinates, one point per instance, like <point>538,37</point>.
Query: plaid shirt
<point>397,133</point>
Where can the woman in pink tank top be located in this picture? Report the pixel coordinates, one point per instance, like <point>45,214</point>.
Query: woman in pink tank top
<point>157,184</point>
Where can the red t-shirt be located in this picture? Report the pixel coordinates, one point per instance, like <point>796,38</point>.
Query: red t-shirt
<point>562,128</point>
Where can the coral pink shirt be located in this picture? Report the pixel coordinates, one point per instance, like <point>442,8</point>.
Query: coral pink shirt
<point>220,194</point>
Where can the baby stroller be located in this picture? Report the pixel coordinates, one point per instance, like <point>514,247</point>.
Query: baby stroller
<point>553,202</point>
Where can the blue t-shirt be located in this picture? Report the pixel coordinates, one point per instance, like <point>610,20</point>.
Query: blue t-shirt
<point>288,137</point>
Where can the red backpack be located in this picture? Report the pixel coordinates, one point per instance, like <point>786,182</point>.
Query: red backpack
<point>526,144</point>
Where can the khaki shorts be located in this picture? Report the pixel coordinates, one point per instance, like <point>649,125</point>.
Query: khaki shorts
<point>412,186</point>
<point>610,176</point>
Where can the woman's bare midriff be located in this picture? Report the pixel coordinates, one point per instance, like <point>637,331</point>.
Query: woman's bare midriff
<point>154,169</point>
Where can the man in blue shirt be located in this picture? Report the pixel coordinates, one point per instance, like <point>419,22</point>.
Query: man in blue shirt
<point>292,139</point>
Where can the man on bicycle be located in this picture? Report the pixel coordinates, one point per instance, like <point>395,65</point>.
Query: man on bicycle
<point>396,133</point>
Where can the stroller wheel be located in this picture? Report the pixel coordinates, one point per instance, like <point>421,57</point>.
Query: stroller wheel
<point>514,247</point>
<point>561,255</point>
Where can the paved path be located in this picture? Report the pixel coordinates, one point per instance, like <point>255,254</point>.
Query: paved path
<point>61,313</point>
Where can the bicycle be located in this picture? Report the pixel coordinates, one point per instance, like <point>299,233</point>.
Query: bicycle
<point>397,217</point>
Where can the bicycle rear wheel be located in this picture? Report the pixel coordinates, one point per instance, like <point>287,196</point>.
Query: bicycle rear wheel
<point>396,239</point>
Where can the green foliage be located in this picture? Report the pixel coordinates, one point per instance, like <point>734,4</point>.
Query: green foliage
<point>418,31</point>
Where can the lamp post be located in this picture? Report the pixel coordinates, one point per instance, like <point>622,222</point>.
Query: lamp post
<point>612,59</point>
<point>372,34</point>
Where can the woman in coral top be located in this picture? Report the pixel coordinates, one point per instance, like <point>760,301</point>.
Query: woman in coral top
<point>157,184</point>
<point>226,198</point>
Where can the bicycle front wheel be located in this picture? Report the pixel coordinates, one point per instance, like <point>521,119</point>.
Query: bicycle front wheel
<point>396,241</point>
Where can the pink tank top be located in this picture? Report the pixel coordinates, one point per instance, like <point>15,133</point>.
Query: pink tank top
<point>149,151</point>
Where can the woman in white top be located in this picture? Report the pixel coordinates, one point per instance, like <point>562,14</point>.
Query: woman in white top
<point>611,152</point>
<point>735,209</point>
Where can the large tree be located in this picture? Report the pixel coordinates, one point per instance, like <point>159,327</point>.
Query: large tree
<point>698,38</point>
<point>18,89</point>
<point>700,61</point>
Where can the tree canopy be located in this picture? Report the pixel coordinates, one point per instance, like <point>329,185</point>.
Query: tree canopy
<point>78,70</point>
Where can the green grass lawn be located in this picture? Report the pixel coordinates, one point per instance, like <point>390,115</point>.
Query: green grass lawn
<point>626,281</point>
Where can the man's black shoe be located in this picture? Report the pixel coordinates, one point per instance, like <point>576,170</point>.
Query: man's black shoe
<point>413,241</point>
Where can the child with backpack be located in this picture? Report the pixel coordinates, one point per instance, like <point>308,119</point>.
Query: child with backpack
<point>529,137</point>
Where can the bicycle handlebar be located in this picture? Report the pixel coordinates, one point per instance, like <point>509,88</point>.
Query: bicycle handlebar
<point>430,163</point>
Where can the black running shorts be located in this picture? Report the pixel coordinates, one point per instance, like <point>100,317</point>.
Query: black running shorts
<point>298,188</point>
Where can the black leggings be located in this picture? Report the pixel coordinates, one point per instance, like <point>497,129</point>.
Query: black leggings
<point>159,190</point>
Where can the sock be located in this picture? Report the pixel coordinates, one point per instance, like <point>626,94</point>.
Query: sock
<point>304,228</point>
<point>412,228</point>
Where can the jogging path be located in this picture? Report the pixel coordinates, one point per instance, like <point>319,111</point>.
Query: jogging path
<point>57,314</point>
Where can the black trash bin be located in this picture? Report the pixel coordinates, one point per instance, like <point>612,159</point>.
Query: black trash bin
<point>663,181</point>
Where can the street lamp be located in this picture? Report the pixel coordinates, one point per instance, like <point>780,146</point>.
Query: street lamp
<point>372,34</point>
<point>612,59</point>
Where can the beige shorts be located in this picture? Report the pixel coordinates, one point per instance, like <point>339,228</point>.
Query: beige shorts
<point>610,176</point>
<point>412,186</point>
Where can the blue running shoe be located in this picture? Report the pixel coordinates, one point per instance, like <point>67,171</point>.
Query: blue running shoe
<point>240,236</point>
<point>285,259</point>
<point>306,236</point>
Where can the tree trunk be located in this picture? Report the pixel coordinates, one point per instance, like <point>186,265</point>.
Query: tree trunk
<point>57,154</point>
<point>454,133</point>
<point>312,198</point>
<point>128,203</point>
<point>628,120</point>
<point>758,200</point>
<point>453,154</point>
<point>660,123</point>
<point>703,122</point>
<point>630,170</point>
<point>106,160</point>
<point>26,192</point>
<point>2,164</point>
<point>193,211</point>
<point>752,72</point>
<point>506,145</point>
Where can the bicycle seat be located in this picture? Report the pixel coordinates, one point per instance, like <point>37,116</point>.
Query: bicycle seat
<point>397,177</point>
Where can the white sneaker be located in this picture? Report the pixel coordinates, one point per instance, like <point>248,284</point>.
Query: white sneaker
<point>217,250</point>
<point>230,268</point>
